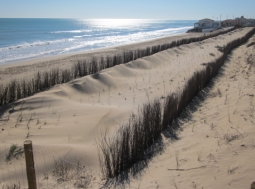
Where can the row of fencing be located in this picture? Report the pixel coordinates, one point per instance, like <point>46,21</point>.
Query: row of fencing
<point>21,88</point>
<point>133,138</point>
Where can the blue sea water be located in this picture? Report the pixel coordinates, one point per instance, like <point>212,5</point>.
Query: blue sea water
<point>25,38</point>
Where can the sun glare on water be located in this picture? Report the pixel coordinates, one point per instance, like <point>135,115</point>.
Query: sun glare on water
<point>115,23</point>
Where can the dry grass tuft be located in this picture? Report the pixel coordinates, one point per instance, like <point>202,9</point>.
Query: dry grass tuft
<point>250,44</point>
<point>232,170</point>
<point>72,172</point>
<point>229,137</point>
<point>12,186</point>
<point>15,151</point>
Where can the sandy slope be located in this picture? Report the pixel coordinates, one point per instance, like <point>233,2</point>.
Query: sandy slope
<point>227,113</point>
<point>64,121</point>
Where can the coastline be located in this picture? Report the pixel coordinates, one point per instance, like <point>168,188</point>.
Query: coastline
<point>71,36</point>
<point>110,50</point>
<point>27,68</point>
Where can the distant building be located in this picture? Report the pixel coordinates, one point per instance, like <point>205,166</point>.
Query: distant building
<point>204,23</point>
<point>238,21</point>
<point>228,23</point>
<point>241,21</point>
<point>207,25</point>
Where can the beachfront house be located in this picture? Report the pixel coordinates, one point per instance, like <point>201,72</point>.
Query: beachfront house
<point>204,23</point>
<point>228,23</point>
<point>238,21</point>
<point>244,21</point>
<point>207,25</point>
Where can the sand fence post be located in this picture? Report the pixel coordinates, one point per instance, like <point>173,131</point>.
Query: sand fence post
<point>253,185</point>
<point>31,179</point>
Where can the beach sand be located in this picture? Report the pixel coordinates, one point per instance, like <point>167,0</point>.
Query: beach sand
<point>65,121</point>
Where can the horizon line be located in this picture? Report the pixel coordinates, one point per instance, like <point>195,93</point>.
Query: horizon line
<point>93,18</point>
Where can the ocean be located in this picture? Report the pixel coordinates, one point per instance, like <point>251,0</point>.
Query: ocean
<point>25,38</point>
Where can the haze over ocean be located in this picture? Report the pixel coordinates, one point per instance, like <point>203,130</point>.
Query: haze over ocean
<point>26,38</point>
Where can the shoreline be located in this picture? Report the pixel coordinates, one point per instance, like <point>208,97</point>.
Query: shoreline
<point>27,68</point>
<point>84,36</point>
<point>117,48</point>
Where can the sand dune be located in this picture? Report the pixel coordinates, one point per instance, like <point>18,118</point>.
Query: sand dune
<point>218,139</point>
<point>64,121</point>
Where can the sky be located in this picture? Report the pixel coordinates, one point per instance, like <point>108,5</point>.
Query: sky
<point>129,9</point>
